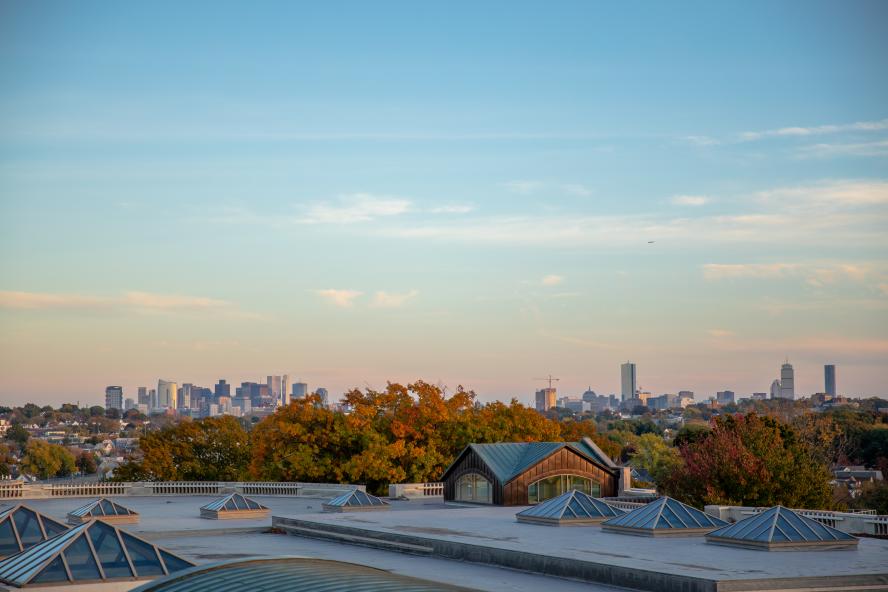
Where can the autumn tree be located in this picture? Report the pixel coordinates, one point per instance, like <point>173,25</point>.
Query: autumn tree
<point>86,462</point>
<point>212,449</point>
<point>750,461</point>
<point>47,460</point>
<point>657,457</point>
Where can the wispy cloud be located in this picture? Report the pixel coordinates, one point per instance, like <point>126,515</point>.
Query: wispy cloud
<point>817,273</point>
<point>701,140</point>
<point>552,280</point>
<point>720,333</point>
<point>356,207</point>
<point>453,209</point>
<point>817,130</point>
<point>824,150</point>
<point>393,299</point>
<point>523,187</point>
<point>341,298</point>
<point>836,193</point>
<point>690,200</point>
<point>722,271</point>
<point>577,190</point>
<point>143,302</point>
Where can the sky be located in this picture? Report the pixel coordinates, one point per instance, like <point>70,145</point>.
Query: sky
<point>475,194</point>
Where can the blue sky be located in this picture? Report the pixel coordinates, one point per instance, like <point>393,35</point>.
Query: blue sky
<point>354,193</point>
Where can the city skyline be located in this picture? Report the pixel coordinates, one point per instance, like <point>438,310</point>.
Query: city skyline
<point>474,195</point>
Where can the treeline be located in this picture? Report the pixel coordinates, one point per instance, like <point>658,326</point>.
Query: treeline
<point>411,433</point>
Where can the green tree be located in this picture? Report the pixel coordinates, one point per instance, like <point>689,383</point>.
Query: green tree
<point>654,455</point>
<point>750,461</point>
<point>47,460</point>
<point>18,434</point>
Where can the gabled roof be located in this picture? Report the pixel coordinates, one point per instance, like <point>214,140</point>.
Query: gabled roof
<point>665,513</point>
<point>91,552</point>
<point>21,528</point>
<point>572,505</point>
<point>507,460</point>
<point>354,499</point>
<point>782,527</point>
<point>234,501</point>
<point>101,507</point>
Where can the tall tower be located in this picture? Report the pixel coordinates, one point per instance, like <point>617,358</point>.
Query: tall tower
<point>114,397</point>
<point>285,390</point>
<point>787,381</point>
<point>829,379</point>
<point>628,381</point>
<point>167,394</point>
<point>775,389</point>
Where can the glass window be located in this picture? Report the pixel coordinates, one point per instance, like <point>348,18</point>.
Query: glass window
<point>54,572</point>
<point>144,558</point>
<point>173,563</point>
<point>230,505</point>
<point>108,508</point>
<point>81,561</point>
<point>474,487</point>
<point>53,528</point>
<point>540,491</point>
<point>28,527</point>
<point>110,553</point>
<point>8,543</point>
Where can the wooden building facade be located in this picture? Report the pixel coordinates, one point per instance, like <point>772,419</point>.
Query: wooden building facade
<point>523,473</point>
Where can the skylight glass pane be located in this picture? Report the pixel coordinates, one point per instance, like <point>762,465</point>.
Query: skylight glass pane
<point>53,528</point>
<point>108,508</point>
<point>110,553</point>
<point>230,505</point>
<point>8,542</point>
<point>81,561</point>
<point>54,572</point>
<point>28,527</point>
<point>174,563</point>
<point>143,556</point>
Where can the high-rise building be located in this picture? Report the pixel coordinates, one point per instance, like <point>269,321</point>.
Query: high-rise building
<point>152,399</point>
<point>829,379</point>
<point>222,388</point>
<point>628,381</point>
<point>185,396</point>
<point>114,397</point>
<point>322,393</point>
<point>167,394</point>
<point>285,390</point>
<point>129,404</point>
<point>546,399</point>
<point>775,389</point>
<point>274,388</point>
<point>143,396</point>
<point>724,397</point>
<point>300,389</point>
<point>787,381</point>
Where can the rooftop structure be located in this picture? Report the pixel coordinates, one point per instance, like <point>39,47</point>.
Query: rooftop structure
<point>781,529</point>
<point>523,473</point>
<point>91,552</point>
<point>664,517</point>
<point>291,573</point>
<point>21,528</point>
<point>105,509</point>
<point>234,506</point>
<point>355,501</point>
<point>569,509</point>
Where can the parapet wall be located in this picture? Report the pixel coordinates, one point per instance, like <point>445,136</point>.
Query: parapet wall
<point>11,490</point>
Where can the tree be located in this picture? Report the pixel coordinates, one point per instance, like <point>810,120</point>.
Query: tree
<point>750,461</point>
<point>47,460</point>
<point>212,449</point>
<point>655,456</point>
<point>6,459</point>
<point>86,463</point>
<point>18,434</point>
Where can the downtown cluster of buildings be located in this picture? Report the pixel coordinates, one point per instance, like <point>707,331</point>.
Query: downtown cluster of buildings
<point>631,396</point>
<point>250,398</point>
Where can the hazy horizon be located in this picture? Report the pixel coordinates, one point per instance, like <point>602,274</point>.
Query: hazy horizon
<point>471,194</point>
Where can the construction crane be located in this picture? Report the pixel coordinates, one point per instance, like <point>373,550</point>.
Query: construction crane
<point>550,379</point>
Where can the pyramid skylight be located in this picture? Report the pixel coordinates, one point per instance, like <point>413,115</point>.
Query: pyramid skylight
<point>233,506</point>
<point>355,501</point>
<point>106,510</point>
<point>571,507</point>
<point>21,528</point>
<point>780,528</point>
<point>664,517</point>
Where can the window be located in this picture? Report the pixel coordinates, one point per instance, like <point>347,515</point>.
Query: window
<point>474,487</point>
<point>540,491</point>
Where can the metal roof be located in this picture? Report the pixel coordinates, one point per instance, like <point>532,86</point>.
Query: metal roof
<point>572,505</point>
<point>234,501</point>
<point>780,525</point>
<point>665,513</point>
<point>102,507</point>
<point>356,498</point>
<point>91,552</point>
<point>21,528</point>
<point>291,573</point>
<point>507,460</point>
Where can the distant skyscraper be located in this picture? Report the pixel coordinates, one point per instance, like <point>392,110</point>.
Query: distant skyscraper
<point>300,389</point>
<point>274,388</point>
<point>322,393</point>
<point>546,399</point>
<point>829,379</point>
<point>167,394</point>
<point>185,396</point>
<point>724,397</point>
<point>114,397</point>
<point>143,396</point>
<point>152,399</point>
<point>285,390</point>
<point>129,404</point>
<point>628,381</point>
<point>775,389</point>
<point>787,381</point>
<point>222,389</point>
